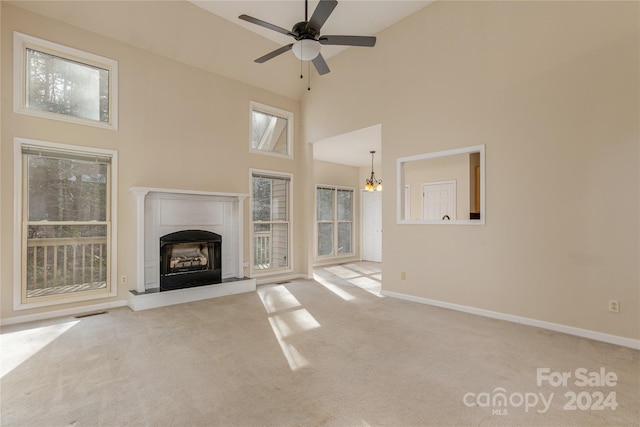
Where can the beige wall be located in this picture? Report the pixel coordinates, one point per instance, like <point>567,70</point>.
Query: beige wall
<point>335,174</point>
<point>552,89</point>
<point>179,127</point>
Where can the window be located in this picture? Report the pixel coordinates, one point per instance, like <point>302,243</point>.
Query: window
<point>271,131</point>
<point>334,217</point>
<point>270,218</point>
<point>66,226</point>
<point>58,82</point>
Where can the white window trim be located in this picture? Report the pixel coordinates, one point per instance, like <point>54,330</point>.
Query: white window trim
<point>256,106</point>
<point>276,270</point>
<point>23,41</point>
<point>17,226</point>
<point>335,221</point>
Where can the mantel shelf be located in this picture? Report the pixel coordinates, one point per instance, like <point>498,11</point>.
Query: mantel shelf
<point>146,190</point>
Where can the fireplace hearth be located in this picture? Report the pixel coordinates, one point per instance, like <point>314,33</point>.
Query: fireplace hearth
<point>190,258</point>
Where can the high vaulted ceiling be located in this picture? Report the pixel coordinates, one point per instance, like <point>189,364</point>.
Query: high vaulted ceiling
<point>207,34</point>
<point>350,17</point>
<point>211,37</point>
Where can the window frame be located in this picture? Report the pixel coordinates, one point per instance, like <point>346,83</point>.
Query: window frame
<point>19,240</point>
<point>22,42</point>
<point>334,254</point>
<point>273,270</point>
<point>267,109</point>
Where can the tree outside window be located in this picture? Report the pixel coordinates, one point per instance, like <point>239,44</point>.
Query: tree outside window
<point>270,206</point>
<point>62,83</point>
<point>66,223</point>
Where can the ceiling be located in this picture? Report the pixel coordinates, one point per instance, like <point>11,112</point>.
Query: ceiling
<point>351,149</point>
<point>207,34</point>
<point>350,17</point>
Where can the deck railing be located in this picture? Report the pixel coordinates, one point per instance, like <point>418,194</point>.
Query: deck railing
<point>262,249</point>
<point>56,262</point>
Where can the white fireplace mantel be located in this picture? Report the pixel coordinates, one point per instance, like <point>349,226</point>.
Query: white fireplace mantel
<point>162,210</point>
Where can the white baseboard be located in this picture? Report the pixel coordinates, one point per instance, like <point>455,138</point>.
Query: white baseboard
<point>61,313</point>
<point>585,333</point>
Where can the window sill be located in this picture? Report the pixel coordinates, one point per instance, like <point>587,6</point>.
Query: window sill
<point>61,300</point>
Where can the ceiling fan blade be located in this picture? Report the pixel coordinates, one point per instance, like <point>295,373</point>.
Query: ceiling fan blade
<point>364,41</point>
<point>321,14</point>
<point>273,54</point>
<point>320,64</point>
<point>266,25</point>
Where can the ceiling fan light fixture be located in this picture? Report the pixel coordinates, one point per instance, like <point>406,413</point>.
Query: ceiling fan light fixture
<point>306,49</point>
<point>307,36</point>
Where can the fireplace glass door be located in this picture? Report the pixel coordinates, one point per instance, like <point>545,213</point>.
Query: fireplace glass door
<point>190,258</point>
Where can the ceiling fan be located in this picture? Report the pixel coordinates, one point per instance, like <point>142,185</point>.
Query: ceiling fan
<point>308,39</point>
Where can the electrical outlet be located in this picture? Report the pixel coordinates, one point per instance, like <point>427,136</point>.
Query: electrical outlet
<point>614,306</point>
<point>123,279</point>
<point>403,275</point>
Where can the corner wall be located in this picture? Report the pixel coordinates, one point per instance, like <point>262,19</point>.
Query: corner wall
<point>552,90</point>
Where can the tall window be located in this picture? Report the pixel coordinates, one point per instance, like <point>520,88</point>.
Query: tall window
<point>334,217</point>
<point>67,222</point>
<point>62,83</point>
<point>271,130</point>
<point>271,226</point>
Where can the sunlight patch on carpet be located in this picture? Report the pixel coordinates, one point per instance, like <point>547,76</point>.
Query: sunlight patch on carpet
<point>277,298</point>
<point>20,346</point>
<point>363,269</point>
<point>370,285</point>
<point>342,272</point>
<point>333,288</point>
<point>287,319</point>
<point>294,322</point>
<point>294,358</point>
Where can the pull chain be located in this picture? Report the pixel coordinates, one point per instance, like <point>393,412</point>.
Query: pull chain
<point>309,75</point>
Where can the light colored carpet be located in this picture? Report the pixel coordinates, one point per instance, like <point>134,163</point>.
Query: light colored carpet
<point>305,353</point>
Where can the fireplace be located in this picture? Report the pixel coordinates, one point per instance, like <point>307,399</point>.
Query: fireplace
<point>161,211</point>
<point>190,258</point>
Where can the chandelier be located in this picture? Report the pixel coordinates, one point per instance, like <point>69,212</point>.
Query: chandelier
<point>372,183</point>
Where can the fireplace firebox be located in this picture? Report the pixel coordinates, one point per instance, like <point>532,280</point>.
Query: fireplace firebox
<point>190,258</point>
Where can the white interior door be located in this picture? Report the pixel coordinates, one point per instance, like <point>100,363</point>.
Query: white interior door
<point>371,232</point>
<point>439,201</point>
